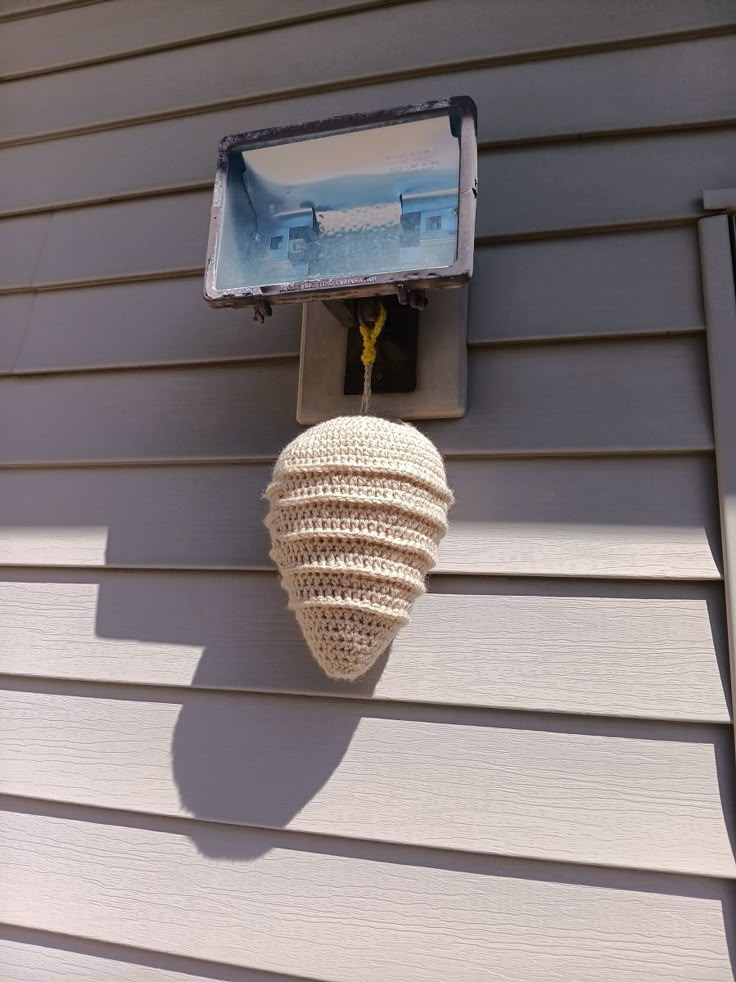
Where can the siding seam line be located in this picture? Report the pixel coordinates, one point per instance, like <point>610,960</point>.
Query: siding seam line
<point>598,578</point>
<point>485,147</point>
<point>134,955</point>
<point>134,820</point>
<point>510,238</point>
<point>255,460</point>
<point>195,40</point>
<point>46,8</point>
<point>154,693</point>
<point>525,342</point>
<point>272,572</point>
<point>377,78</point>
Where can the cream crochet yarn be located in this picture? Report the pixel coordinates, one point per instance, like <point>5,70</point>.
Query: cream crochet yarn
<point>358,506</point>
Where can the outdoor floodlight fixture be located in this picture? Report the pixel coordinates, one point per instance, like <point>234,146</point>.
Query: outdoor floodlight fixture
<point>362,212</point>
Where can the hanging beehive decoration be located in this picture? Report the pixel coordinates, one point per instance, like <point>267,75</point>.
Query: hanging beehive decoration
<point>358,506</point>
<point>349,216</point>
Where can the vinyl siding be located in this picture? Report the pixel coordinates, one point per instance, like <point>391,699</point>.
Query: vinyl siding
<point>390,910</point>
<point>647,650</point>
<point>607,516</point>
<point>538,781</point>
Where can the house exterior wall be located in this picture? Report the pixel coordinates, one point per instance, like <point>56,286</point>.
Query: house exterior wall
<point>538,782</point>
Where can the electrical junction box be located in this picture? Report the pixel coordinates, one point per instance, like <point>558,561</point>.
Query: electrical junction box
<point>441,365</point>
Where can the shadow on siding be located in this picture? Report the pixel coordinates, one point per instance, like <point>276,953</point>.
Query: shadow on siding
<point>235,761</point>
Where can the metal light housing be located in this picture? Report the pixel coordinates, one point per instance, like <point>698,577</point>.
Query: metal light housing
<point>356,206</point>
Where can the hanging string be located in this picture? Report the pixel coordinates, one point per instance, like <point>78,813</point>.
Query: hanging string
<point>370,336</point>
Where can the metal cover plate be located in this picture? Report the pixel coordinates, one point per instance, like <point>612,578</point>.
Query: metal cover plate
<point>441,365</point>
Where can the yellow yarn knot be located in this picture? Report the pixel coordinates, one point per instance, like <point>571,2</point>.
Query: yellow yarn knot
<point>370,336</point>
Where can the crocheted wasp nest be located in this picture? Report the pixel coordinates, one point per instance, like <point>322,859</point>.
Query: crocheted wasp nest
<point>358,506</point>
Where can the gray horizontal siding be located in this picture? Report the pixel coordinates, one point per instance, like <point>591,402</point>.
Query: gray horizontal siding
<point>670,85</point>
<point>617,516</point>
<point>645,649</point>
<point>12,9</point>
<point>618,396</point>
<point>150,662</point>
<point>605,793</point>
<point>638,282</point>
<point>443,34</point>
<point>15,317</point>
<point>39,956</point>
<point>111,30</point>
<point>73,36</point>
<point>403,913</point>
<point>524,192</point>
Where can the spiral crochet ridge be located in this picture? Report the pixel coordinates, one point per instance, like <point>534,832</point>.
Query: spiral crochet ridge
<point>357,508</point>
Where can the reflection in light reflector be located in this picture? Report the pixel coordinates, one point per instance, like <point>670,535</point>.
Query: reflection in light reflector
<point>346,207</point>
